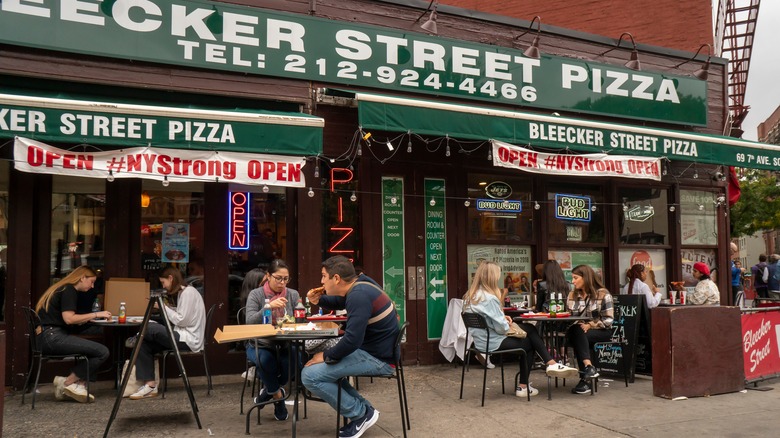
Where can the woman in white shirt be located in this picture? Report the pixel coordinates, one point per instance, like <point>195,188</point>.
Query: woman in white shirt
<point>636,286</point>
<point>188,320</point>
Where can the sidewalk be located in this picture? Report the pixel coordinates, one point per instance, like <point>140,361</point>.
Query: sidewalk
<point>434,407</point>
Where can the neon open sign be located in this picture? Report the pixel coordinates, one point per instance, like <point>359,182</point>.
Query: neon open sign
<point>238,220</point>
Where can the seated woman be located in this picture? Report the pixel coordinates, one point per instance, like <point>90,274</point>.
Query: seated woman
<point>273,364</point>
<point>57,310</point>
<point>188,320</point>
<point>636,285</point>
<point>552,281</point>
<point>706,291</point>
<point>483,297</point>
<point>591,299</point>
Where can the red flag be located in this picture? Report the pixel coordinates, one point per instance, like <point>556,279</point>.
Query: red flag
<point>733,189</point>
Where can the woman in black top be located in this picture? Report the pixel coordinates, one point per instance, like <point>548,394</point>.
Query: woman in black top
<point>57,311</point>
<point>552,280</point>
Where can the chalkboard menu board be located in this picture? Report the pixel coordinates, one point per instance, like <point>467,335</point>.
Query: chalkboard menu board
<point>630,337</point>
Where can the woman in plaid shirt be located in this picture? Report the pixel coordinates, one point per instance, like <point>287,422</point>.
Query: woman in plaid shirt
<point>589,298</point>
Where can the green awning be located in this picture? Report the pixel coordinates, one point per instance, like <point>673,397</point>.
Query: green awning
<point>75,120</point>
<point>386,113</point>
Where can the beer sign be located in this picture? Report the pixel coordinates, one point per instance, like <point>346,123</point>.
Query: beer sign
<point>572,207</point>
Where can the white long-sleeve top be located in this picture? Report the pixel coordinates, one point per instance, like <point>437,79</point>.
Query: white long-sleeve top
<point>189,318</point>
<point>652,299</point>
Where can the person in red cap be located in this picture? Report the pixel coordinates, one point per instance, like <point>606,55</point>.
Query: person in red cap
<point>706,291</point>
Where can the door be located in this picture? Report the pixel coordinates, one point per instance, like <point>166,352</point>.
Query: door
<point>415,230</point>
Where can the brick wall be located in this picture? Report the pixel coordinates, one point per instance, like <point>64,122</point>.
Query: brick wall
<point>677,24</point>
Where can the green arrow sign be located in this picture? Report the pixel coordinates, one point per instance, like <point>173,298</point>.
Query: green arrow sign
<point>393,241</point>
<point>435,256</point>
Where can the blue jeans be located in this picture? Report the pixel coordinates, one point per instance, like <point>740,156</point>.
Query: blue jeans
<point>273,370</point>
<point>156,340</point>
<point>321,380</point>
<point>55,340</point>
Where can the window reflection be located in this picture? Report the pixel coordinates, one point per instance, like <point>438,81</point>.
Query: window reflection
<point>644,219</point>
<point>486,225</point>
<point>576,230</point>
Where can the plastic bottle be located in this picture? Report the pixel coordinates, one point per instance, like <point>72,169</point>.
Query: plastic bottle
<point>267,315</point>
<point>122,313</point>
<point>96,306</point>
<point>300,313</point>
<point>320,312</point>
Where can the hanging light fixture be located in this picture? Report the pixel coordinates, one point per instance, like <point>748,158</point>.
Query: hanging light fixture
<point>633,63</point>
<point>430,25</point>
<point>110,177</point>
<point>165,181</point>
<point>533,50</point>
<point>703,72</point>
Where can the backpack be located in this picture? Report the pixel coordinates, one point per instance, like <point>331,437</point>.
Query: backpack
<point>776,275</point>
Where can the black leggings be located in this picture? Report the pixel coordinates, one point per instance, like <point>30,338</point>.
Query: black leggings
<point>581,341</point>
<point>531,343</point>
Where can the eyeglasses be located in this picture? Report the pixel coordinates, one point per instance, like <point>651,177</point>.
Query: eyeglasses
<point>281,279</point>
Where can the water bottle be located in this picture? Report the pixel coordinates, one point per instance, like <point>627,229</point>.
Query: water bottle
<point>96,306</point>
<point>122,313</point>
<point>267,315</point>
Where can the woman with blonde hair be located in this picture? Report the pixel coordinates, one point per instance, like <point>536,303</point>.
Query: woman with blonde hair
<point>589,298</point>
<point>57,311</point>
<point>484,298</point>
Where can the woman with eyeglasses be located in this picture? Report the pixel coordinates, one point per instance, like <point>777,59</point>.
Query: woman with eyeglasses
<point>271,359</point>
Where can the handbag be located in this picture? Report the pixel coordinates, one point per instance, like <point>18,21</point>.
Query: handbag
<point>516,331</point>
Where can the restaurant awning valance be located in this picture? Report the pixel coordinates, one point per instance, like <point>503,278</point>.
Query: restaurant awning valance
<point>74,120</point>
<point>424,117</point>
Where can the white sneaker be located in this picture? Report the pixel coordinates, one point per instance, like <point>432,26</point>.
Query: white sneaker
<point>59,387</point>
<point>487,364</point>
<point>561,370</point>
<point>78,392</point>
<point>249,374</point>
<point>523,392</point>
<point>145,391</point>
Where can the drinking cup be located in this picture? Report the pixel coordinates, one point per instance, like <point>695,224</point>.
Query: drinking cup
<point>673,296</point>
<point>683,293</point>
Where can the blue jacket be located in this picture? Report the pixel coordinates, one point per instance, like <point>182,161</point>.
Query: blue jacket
<point>773,284</point>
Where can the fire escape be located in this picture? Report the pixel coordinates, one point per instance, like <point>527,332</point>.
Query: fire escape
<point>734,31</point>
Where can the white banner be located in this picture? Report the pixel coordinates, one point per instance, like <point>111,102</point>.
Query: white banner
<point>515,157</point>
<point>176,165</point>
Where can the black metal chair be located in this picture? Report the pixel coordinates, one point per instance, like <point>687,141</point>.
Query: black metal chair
<point>37,357</point>
<point>203,352</point>
<point>477,322</point>
<point>398,375</point>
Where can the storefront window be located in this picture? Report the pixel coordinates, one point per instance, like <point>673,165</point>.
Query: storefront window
<point>576,213</point>
<point>5,170</point>
<point>699,222</point>
<point>645,216</point>
<point>706,256</point>
<point>654,261</point>
<point>172,230</point>
<point>267,238</point>
<point>570,258</point>
<point>500,208</point>
<point>515,263</point>
<point>78,230</point>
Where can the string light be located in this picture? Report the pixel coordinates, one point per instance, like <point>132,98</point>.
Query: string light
<point>593,207</point>
<point>110,177</point>
<point>467,202</point>
<point>165,181</point>
<point>695,174</point>
<point>490,153</point>
<point>360,150</point>
<point>537,206</point>
<point>625,207</point>
<point>317,170</point>
<point>671,208</point>
<point>701,207</point>
<point>433,202</point>
<point>390,146</point>
<point>409,144</point>
<point>447,146</point>
<point>353,198</point>
<point>266,189</point>
<point>393,200</point>
<point>311,192</point>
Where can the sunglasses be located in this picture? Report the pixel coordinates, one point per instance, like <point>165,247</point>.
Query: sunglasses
<point>281,279</point>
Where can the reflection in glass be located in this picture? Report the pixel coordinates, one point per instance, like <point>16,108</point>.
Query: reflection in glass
<point>644,216</point>
<point>499,225</point>
<point>698,218</point>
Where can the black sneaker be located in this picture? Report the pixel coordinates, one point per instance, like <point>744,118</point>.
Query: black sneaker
<point>280,410</point>
<point>262,397</point>
<point>582,388</point>
<point>590,373</point>
<point>357,427</point>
